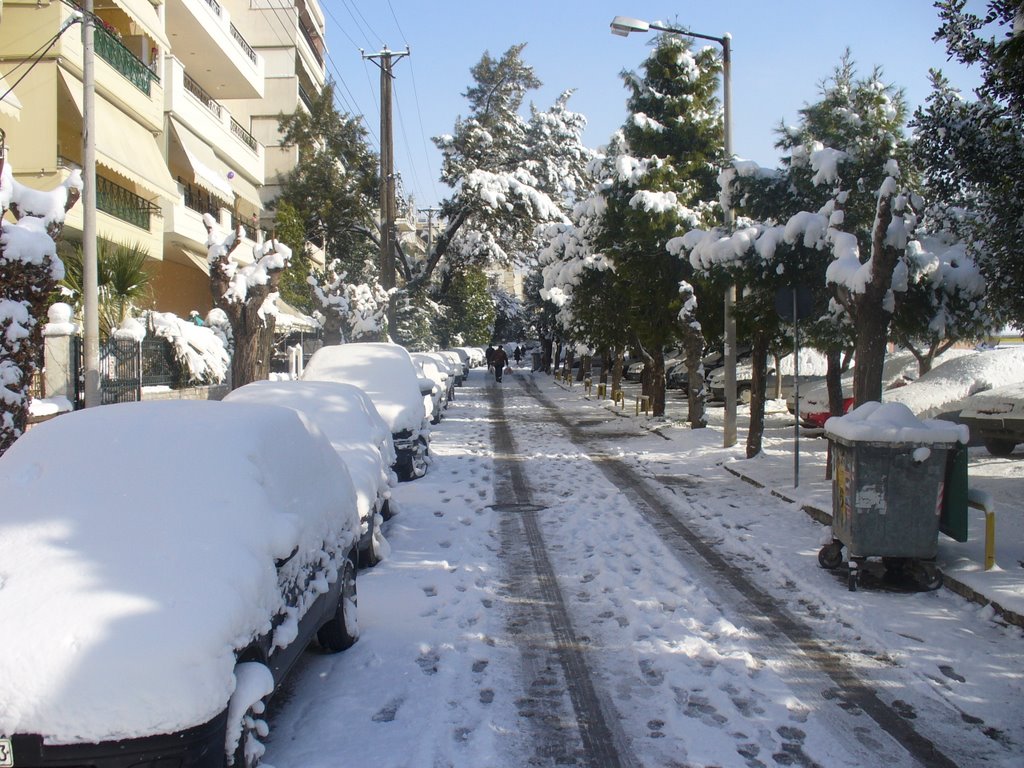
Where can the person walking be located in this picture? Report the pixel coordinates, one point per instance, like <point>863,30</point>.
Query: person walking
<point>499,360</point>
<point>518,355</point>
<point>489,357</point>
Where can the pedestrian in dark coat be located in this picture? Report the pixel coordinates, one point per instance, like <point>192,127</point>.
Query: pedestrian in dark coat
<point>518,354</point>
<point>489,356</point>
<point>500,360</point>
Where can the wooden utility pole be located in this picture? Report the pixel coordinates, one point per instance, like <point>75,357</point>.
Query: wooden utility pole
<point>384,59</point>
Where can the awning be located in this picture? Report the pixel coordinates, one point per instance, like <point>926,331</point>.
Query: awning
<point>9,104</point>
<point>246,190</point>
<point>145,16</point>
<point>124,146</point>
<point>211,174</point>
<point>290,318</point>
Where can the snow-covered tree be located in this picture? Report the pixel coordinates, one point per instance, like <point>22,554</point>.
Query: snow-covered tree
<point>468,310</point>
<point>247,295</point>
<point>352,311</point>
<point>29,272</point>
<point>510,174</point>
<point>658,179</point>
<point>973,150</point>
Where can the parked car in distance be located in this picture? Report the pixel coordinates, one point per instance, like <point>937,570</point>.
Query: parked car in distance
<point>436,401</point>
<point>387,374</point>
<point>449,369</point>
<point>165,564</point>
<point>348,418</point>
<point>996,417</point>
<point>455,361</point>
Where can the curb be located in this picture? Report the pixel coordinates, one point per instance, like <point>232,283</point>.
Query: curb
<point>949,582</point>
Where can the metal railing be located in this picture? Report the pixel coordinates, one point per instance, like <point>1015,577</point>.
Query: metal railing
<point>204,98</point>
<point>241,41</point>
<point>244,135</point>
<point>215,6</point>
<point>123,204</point>
<point>305,99</point>
<point>113,51</point>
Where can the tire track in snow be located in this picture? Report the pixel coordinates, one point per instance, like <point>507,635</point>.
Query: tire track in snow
<point>783,631</point>
<point>600,746</point>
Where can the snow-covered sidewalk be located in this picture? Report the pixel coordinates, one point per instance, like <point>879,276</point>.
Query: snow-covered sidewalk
<point>962,564</point>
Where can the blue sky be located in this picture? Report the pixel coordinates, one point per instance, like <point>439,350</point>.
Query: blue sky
<point>782,50</point>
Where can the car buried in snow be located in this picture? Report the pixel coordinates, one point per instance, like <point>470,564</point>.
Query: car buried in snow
<point>348,418</point>
<point>165,564</point>
<point>388,375</point>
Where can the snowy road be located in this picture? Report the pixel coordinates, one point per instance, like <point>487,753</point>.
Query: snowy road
<point>564,589</point>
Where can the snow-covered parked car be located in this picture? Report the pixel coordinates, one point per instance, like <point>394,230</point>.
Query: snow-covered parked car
<point>455,360</point>
<point>348,418</point>
<point>451,370</point>
<point>435,402</point>
<point>164,566</point>
<point>996,418</point>
<point>388,375</point>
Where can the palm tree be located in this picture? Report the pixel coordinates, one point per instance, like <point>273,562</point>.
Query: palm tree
<point>123,282</point>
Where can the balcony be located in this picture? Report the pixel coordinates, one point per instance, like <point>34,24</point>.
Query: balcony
<point>112,51</point>
<point>212,49</point>
<point>123,204</point>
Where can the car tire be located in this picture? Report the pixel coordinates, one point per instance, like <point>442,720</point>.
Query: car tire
<point>342,630</point>
<point>999,446</point>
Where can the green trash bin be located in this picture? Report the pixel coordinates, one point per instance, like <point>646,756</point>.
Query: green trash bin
<point>888,490</point>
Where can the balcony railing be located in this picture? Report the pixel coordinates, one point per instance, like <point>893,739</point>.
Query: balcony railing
<point>304,98</point>
<point>206,99</point>
<point>199,200</point>
<point>214,5</point>
<point>312,45</point>
<point>125,205</point>
<point>241,41</point>
<point>244,135</point>
<point>112,51</point>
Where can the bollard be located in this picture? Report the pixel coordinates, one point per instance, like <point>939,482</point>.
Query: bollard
<point>643,403</point>
<point>619,397</point>
<point>587,384</point>
<point>601,390</point>
<point>990,539</point>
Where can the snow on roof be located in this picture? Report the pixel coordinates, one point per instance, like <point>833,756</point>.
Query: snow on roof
<point>892,423</point>
<point>139,567</point>
<point>383,371</point>
<point>347,416</point>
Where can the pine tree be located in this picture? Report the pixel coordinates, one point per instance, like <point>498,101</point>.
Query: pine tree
<point>658,178</point>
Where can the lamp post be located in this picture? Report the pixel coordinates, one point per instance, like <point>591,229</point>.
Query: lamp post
<point>623,25</point>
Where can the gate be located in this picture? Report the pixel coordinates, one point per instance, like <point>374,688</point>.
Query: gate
<point>120,371</point>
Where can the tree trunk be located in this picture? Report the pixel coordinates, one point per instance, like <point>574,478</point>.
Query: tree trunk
<point>545,361</point>
<point>617,366</point>
<point>585,366</point>
<point>758,382</point>
<point>658,384</point>
<point>695,392</point>
<point>871,317</point>
<point>606,360</point>
<point>777,389</point>
<point>834,383</point>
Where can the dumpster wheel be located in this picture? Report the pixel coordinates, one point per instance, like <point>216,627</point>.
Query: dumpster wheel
<point>927,575</point>
<point>830,556</point>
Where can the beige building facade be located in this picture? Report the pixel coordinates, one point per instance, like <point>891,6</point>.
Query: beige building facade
<point>183,91</point>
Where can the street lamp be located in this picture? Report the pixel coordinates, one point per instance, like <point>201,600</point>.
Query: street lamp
<point>622,26</point>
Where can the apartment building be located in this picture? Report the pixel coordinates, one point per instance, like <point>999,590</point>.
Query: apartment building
<point>181,93</point>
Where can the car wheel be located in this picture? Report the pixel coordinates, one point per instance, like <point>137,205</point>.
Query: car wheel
<point>419,458</point>
<point>246,726</point>
<point>342,630</point>
<point>371,555</point>
<point>831,555</point>
<point>999,446</point>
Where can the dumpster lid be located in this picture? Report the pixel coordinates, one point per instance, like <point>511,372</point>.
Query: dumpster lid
<point>893,423</point>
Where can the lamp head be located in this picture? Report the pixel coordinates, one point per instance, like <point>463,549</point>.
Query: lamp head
<point>623,25</point>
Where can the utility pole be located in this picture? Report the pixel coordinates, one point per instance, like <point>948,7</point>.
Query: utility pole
<point>430,227</point>
<point>384,59</point>
<point>90,270</point>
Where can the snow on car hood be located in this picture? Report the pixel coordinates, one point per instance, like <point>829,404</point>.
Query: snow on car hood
<point>385,372</point>
<point>137,549</point>
<point>347,417</point>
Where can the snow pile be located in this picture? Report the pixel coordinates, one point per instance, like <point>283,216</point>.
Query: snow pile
<point>893,423</point>
<point>385,372</point>
<point>200,350</point>
<point>147,582</point>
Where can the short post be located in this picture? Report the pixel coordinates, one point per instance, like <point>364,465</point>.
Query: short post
<point>587,384</point>
<point>601,391</point>
<point>59,367</point>
<point>990,539</point>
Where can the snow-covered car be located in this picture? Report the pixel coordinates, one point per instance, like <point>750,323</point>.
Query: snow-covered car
<point>474,356</point>
<point>165,564</point>
<point>455,361</point>
<point>348,418</point>
<point>996,417</point>
<point>940,391</point>
<point>388,375</point>
<point>434,403</point>
<point>449,369</point>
